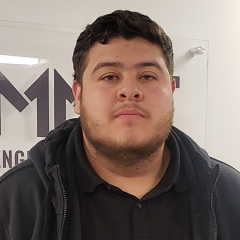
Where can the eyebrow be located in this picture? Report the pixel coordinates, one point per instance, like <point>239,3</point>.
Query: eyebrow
<point>149,64</point>
<point>120,65</point>
<point>107,64</point>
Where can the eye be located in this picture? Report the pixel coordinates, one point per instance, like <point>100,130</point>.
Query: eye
<point>109,77</point>
<point>148,77</point>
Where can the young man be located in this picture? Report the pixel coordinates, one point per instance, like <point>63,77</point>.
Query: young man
<point>120,171</point>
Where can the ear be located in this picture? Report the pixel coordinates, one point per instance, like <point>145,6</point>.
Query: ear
<point>173,85</point>
<point>77,91</point>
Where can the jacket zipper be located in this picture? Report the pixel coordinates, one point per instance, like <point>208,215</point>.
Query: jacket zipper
<point>64,202</point>
<point>212,208</point>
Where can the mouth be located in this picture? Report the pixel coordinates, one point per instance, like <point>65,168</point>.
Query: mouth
<point>130,114</point>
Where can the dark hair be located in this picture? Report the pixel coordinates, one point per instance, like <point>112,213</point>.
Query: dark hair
<point>120,23</point>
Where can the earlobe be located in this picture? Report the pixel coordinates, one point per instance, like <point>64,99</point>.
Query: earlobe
<point>77,90</point>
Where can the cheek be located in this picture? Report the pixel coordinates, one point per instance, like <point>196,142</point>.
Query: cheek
<point>161,99</point>
<point>97,100</point>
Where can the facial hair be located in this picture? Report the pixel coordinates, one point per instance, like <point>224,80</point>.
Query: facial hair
<point>125,154</point>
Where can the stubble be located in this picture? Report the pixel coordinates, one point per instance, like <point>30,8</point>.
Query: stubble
<point>125,153</point>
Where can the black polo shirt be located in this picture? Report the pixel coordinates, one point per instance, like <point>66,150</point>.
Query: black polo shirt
<point>108,213</point>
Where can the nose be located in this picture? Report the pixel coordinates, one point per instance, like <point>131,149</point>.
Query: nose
<point>129,91</point>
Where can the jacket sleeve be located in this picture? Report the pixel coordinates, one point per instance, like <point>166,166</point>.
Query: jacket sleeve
<point>3,228</point>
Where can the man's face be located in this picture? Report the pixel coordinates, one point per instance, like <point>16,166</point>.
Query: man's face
<point>126,102</point>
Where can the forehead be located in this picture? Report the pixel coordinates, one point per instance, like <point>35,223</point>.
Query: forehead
<point>127,52</point>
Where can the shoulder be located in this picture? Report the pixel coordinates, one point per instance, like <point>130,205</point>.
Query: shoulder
<point>228,185</point>
<point>227,173</point>
<point>22,181</point>
<point>22,173</point>
<point>27,164</point>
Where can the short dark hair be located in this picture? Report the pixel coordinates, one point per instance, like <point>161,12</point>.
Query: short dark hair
<point>124,24</point>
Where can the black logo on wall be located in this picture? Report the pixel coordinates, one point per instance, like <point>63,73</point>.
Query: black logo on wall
<point>40,90</point>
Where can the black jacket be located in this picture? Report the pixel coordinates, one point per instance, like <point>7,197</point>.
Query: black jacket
<point>39,197</point>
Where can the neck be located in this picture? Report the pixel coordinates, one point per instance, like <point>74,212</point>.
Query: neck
<point>137,179</point>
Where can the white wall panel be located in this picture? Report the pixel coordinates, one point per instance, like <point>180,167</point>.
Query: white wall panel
<point>218,22</point>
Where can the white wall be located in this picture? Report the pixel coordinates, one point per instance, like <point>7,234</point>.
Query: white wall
<point>215,20</point>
